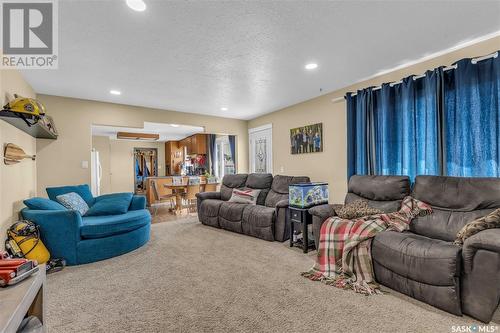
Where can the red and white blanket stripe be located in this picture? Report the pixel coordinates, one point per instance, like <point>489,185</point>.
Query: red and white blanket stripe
<point>344,254</point>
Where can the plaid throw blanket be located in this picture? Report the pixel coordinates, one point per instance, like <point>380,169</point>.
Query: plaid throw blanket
<point>344,255</point>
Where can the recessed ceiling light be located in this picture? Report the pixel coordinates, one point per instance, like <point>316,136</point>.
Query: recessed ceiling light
<point>137,5</point>
<point>115,92</point>
<point>224,109</point>
<point>311,66</point>
<point>174,125</point>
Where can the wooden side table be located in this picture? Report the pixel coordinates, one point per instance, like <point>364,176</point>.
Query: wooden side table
<point>302,216</point>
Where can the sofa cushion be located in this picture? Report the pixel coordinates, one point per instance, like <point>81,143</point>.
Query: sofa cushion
<point>230,215</point>
<point>258,221</point>
<point>456,201</point>
<point>229,182</point>
<point>418,258</point>
<point>444,224</point>
<point>43,204</point>
<point>261,181</point>
<point>380,188</point>
<point>81,190</point>
<point>104,226</point>
<point>73,201</point>
<point>110,204</point>
<point>279,188</point>
<point>232,211</point>
<point>458,193</point>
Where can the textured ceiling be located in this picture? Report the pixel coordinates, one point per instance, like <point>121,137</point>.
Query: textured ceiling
<point>199,56</point>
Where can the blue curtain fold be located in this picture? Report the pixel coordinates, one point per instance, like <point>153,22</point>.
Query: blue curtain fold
<point>232,147</point>
<point>443,123</point>
<point>472,98</point>
<point>211,152</point>
<point>396,130</point>
<point>362,133</point>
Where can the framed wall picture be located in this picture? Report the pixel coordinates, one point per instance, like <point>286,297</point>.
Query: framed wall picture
<point>306,139</point>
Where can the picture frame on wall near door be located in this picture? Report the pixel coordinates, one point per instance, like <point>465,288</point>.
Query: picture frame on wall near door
<point>306,139</point>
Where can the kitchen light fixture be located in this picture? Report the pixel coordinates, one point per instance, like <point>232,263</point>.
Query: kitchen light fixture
<point>224,108</point>
<point>174,125</point>
<point>311,66</point>
<point>137,5</point>
<point>115,92</point>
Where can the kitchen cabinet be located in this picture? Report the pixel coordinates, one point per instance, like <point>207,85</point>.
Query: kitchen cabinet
<point>195,144</point>
<point>173,157</point>
<point>199,144</point>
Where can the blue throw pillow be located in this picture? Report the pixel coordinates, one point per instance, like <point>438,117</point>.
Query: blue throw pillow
<point>43,204</point>
<point>82,190</point>
<point>111,204</point>
<point>73,201</point>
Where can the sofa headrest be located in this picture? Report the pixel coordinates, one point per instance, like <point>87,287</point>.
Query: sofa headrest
<point>259,180</point>
<point>458,193</point>
<point>235,181</point>
<point>81,190</point>
<point>380,188</point>
<point>280,183</point>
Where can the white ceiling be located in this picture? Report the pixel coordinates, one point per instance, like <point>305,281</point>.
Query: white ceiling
<point>199,56</point>
<point>166,131</point>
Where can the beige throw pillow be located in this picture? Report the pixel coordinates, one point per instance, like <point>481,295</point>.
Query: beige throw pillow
<point>492,220</point>
<point>245,196</point>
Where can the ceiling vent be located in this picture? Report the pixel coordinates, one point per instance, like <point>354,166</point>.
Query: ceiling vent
<point>137,136</point>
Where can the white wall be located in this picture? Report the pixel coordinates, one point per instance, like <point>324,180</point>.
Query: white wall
<point>117,161</point>
<point>59,161</point>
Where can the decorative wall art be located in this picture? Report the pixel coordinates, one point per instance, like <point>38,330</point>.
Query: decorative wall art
<point>306,139</point>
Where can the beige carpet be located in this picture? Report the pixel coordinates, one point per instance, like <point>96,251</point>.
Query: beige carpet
<point>194,278</point>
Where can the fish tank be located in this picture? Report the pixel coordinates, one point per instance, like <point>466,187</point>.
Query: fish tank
<point>305,195</point>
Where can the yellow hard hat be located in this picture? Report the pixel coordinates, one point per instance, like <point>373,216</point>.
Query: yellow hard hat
<point>26,105</point>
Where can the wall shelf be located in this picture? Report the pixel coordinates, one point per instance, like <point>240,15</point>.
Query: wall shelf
<point>39,130</point>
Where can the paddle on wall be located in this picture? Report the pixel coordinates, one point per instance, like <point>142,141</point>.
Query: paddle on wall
<point>14,154</point>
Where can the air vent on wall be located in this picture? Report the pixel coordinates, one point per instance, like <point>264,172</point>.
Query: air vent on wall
<point>137,136</point>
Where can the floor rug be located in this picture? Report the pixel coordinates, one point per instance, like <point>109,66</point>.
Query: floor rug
<point>195,278</point>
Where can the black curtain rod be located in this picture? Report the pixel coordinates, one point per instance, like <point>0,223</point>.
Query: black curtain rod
<point>473,60</point>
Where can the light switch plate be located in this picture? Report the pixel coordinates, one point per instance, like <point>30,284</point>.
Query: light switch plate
<point>85,164</point>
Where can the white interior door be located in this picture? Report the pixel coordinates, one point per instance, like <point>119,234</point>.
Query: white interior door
<point>261,149</point>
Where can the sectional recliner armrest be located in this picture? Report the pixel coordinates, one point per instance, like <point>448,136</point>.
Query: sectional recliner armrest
<point>319,215</point>
<point>204,196</point>
<point>484,240</point>
<point>324,211</point>
<point>208,195</point>
<point>282,204</point>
